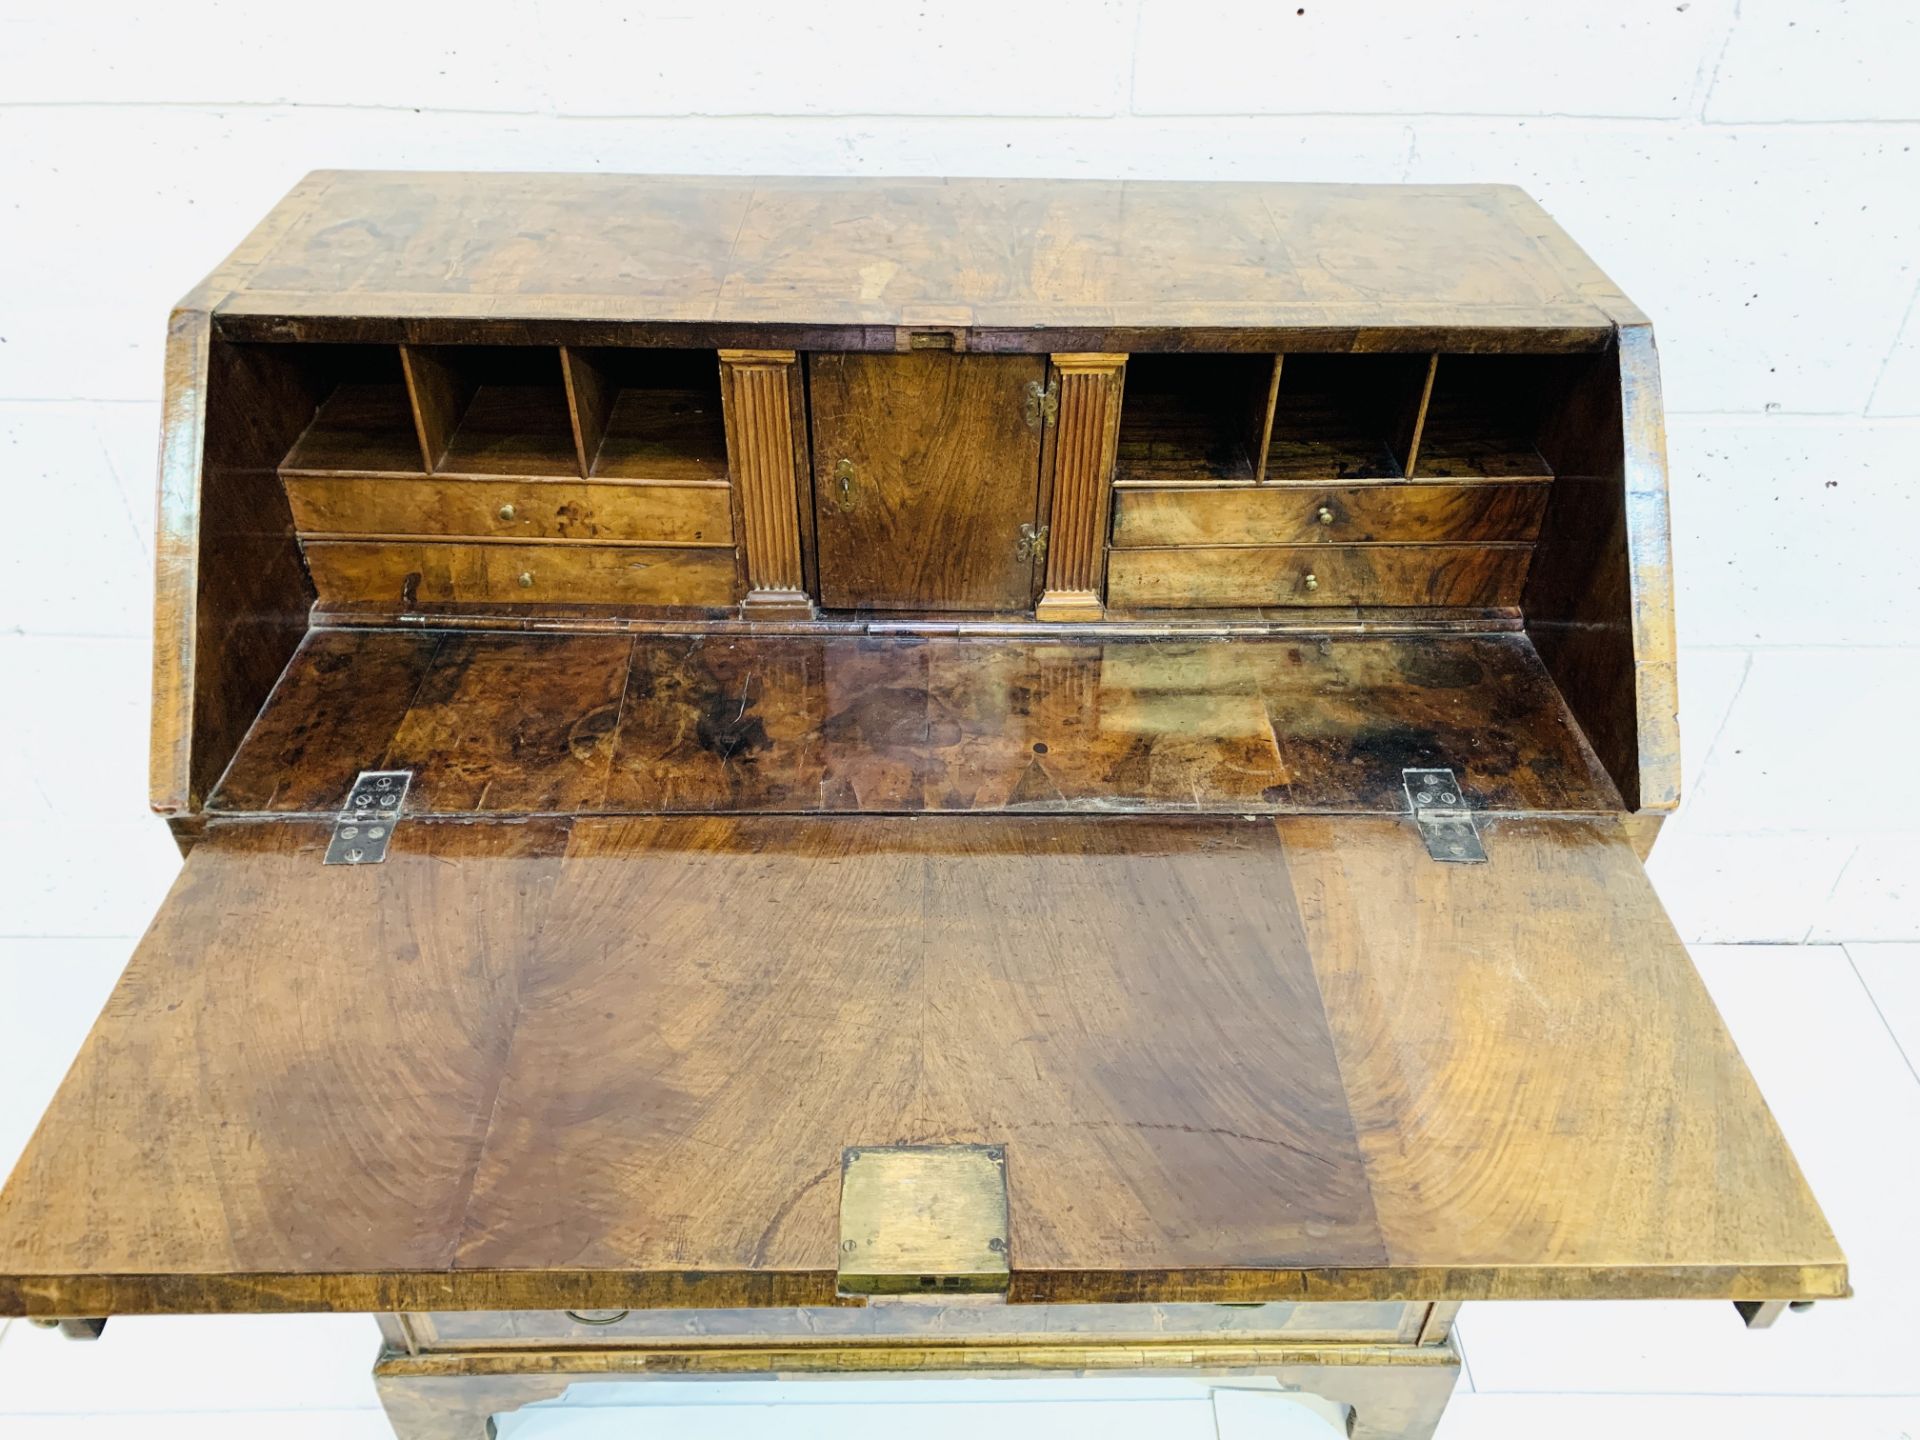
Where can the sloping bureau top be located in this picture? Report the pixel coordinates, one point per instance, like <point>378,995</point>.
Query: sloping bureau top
<point>1018,264</point>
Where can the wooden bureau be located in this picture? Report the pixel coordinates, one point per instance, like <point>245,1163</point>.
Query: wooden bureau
<point>909,776</point>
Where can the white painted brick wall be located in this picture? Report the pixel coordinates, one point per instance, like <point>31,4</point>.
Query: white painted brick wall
<point>1748,169</point>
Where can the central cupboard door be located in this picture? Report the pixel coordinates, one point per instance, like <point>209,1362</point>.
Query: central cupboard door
<point>926,468</point>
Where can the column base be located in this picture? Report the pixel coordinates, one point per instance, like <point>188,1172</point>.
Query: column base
<point>778,605</point>
<point>1062,605</point>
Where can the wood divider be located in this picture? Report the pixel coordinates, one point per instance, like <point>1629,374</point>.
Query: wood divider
<point>766,456</point>
<point>1084,440</point>
<point>1260,432</point>
<point>439,393</point>
<point>1411,419</point>
<point>590,394</point>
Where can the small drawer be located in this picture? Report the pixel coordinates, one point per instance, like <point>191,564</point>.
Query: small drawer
<point>510,509</point>
<point>1372,1321</point>
<point>1339,514</point>
<point>1425,575</point>
<point>403,574</point>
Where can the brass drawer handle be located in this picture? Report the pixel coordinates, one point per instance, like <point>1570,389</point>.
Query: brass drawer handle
<point>507,511</point>
<point>1325,516</point>
<point>526,579</point>
<point>1312,581</point>
<point>597,1317</point>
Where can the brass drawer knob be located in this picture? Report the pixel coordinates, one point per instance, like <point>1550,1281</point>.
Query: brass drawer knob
<point>1325,516</point>
<point>526,579</point>
<point>506,512</point>
<point>1313,582</point>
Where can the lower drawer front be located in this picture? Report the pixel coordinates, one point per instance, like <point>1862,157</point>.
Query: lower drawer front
<point>1377,1322</point>
<point>1466,575</point>
<point>1332,515</point>
<point>516,509</point>
<point>403,573</point>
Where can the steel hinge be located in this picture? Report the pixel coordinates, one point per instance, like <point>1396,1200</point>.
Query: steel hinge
<point>1043,403</point>
<point>1440,813</point>
<point>1032,544</point>
<point>364,827</point>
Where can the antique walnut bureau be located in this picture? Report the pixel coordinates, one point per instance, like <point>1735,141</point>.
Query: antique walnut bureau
<point>906,776</point>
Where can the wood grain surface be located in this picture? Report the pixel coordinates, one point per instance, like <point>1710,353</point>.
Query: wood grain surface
<point>361,428</point>
<point>1327,514</point>
<point>1077,480</point>
<point>681,914</point>
<point>231,596</point>
<point>766,450</point>
<point>614,1062</point>
<point>1599,600</point>
<point>1329,574</point>
<point>553,757</point>
<point>641,278</point>
<point>1558,947</point>
<point>521,509</point>
<point>925,468</point>
<point>1028,262</point>
<point>400,575</point>
<point>853,723</point>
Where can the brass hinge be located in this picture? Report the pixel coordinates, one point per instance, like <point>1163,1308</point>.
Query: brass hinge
<point>1032,544</point>
<point>1043,403</point>
<point>1441,815</point>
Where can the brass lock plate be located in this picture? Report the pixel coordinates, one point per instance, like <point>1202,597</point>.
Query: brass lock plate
<point>923,1219</point>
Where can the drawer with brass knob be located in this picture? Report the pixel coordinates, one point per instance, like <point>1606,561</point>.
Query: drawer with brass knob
<point>1391,511</point>
<point>522,509</point>
<point>411,573</point>
<point>1475,576</point>
<point>1375,1322</point>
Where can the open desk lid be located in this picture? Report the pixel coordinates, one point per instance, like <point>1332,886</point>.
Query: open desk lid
<point>622,1061</point>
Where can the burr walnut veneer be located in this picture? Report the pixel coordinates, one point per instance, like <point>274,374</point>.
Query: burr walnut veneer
<point>942,737</point>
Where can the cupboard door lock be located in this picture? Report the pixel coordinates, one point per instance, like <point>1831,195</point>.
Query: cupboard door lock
<point>843,484</point>
<point>1032,544</point>
<point>1043,403</point>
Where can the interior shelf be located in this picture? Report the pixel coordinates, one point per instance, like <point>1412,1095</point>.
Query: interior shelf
<point>648,414</point>
<point>1346,417</point>
<point>1213,421</point>
<point>1193,419</point>
<point>509,411</point>
<point>1484,419</point>
<point>364,423</point>
<point>493,410</point>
